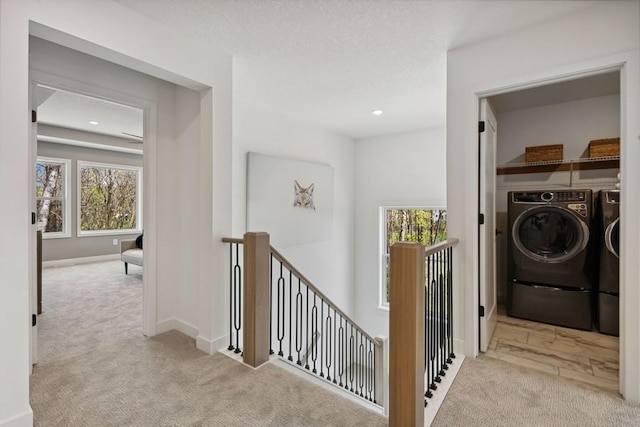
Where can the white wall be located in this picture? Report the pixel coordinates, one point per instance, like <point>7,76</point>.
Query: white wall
<point>542,53</point>
<point>144,45</point>
<point>328,264</point>
<point>407,169</point>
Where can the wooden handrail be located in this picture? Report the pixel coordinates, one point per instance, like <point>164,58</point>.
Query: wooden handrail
<point>232,240</point>
<point>311,286</point>
<point>307,283</point>
<point>440,246</point>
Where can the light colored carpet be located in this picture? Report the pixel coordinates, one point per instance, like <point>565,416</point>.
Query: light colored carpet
<point>113,376</point>
<point>490,392</point>
<point>87,306</point>
<point>97,369</point>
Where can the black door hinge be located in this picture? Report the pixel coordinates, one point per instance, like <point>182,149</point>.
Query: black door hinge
<point>34,116</point>
<point>33,218</point>
<point>480,219</point>
<point>34,320</point>
<point>481,126</point>
<point>482,311</point>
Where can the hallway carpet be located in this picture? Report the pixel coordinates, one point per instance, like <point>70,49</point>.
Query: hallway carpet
<point>490,392</point>
<point>98,370</point>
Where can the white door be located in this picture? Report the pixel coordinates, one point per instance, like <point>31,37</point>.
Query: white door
<point>33,266</point>
<point>487,230</point>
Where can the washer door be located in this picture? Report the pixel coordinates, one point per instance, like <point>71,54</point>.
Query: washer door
<point>551,234</point>
<point>612,237</point>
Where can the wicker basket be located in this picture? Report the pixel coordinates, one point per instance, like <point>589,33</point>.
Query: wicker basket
<point>542,153</point>
<point>604,147</point>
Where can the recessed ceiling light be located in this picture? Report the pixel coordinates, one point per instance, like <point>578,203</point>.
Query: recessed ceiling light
<point>93,122</point>
<point>377,112</point>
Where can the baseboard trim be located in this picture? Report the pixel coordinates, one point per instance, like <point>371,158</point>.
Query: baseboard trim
<point>74,261</point>
<point>21,420</point>
<point>211,346</point>
<point>174,324</point>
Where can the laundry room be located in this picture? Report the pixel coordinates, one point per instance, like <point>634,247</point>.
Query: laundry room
<point>556,217</point>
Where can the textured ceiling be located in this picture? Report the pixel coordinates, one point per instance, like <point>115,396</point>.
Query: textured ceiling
<point>331,62</point>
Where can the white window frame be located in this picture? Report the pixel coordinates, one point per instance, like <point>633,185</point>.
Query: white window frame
<point>139,198</point>
<point>383,256</point>
<point>66,202</point>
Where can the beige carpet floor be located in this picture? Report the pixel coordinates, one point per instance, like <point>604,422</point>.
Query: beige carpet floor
<point>103,372</point>
<point>490,392</point>
<point>97,369</point>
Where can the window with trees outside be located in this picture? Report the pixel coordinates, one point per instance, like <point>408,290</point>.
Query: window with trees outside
<point>109,199</point>
<point>424,225</point>
<point>52,189</point>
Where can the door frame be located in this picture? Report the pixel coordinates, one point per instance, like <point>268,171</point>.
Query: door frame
<point>618,63</point>
<point>149,180</point>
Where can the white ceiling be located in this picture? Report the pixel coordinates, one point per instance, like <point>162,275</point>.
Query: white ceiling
<point>75,111</point>
<point>331,62</point>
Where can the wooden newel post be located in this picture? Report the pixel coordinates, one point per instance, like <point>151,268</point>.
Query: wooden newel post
<point>406,335</point>
<point>255,331</point>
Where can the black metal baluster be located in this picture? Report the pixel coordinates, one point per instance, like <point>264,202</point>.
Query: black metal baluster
<point>314,325</point>
<point>375,362</point>
<point>351,351</point>
<point>237,282</point>
<point>290,358</point>
<point>307,326</point>
<point>443,358</point>
<point>362,366</point>
<point>299,323</point>
<point>335,345</point>
<point>271,303</point>
<point>328,350</point>
<point>427,337</point>
<point>432,344</point>
<point>445,302</point>
<point>370,371</point>
<point>436,317</point>
<point>341,351</point>
<point>321,336</point>
<point>231,298</point>
<point>452,353</point>
<point>280,318</point>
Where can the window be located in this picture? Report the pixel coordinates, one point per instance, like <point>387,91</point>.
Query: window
<point>52,190</point>
<point>109,199</point>
<point>425,225</point>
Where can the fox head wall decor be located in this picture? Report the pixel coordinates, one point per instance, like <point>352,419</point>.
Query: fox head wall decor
<point>303,196</point>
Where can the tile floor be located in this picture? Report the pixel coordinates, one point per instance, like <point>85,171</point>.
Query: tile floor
<point>587,357</point>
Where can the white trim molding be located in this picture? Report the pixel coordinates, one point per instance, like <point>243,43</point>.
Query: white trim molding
<point>24,419</point>
<point>139,199</point>
<point>75,261</point>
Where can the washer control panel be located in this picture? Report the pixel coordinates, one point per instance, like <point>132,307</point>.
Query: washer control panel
<point>579,208</point>
<point>549,196</point>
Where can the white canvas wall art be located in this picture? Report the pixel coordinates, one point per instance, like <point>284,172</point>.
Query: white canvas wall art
<point>292,200</point>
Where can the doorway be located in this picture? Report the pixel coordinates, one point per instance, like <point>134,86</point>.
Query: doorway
<point>73,83</point>
<point>570,113</point>
<point>89,204</point>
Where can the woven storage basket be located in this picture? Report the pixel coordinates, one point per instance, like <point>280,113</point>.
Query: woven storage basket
<point>542,153</point>
<point>604,147</point>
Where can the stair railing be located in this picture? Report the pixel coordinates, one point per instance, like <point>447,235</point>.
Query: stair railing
<point>306,329</point>
<point>420,327</point>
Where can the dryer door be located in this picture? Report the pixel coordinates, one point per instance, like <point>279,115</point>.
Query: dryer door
<point>612,237</point>
<point>550,234</point>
